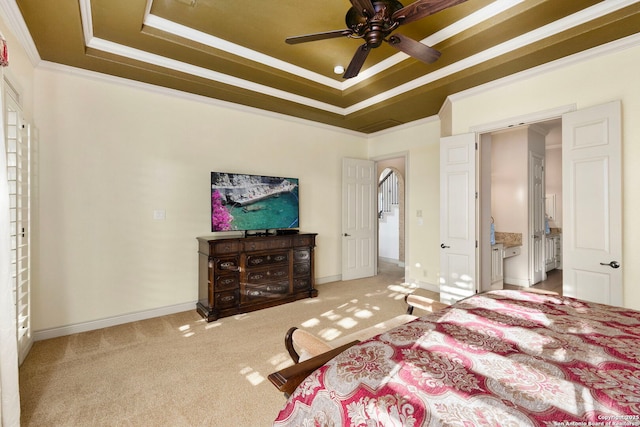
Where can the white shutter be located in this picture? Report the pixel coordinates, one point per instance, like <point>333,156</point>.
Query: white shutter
<point>18,147</point>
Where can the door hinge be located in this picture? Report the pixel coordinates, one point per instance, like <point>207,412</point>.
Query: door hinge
<point>476,146</point>
<point>476,243</point>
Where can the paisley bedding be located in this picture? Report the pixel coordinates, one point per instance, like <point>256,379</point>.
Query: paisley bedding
<point>502,358</point>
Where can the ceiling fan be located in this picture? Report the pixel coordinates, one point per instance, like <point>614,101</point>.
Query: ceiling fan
<point>374,21</point>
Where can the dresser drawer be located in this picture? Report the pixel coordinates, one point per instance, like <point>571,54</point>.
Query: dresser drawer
<point>226,299</point>
<point>267,243</point>
<point>303,240</point>
<point>226,247</point>
<point>224,282</point>
<point>301,268</point>
<point>255,293</point>
<point>226,265</point>
<point>301,284</point>
<point>268,275</point>
<point>301,255</point>
<point>260,260</point>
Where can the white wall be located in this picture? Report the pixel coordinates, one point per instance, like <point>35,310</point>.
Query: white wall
<point>510,196</point>
<point>421,143</point>
<point>111,154</point>
<point>388,239</point>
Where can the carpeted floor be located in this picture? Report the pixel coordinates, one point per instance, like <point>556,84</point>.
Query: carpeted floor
<point>179,370</point>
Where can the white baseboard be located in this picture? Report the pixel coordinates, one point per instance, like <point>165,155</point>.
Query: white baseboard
<point>392,261</point>
<point>111,321</point>
<point>93,325</point>
<point>428,286</point>
<point>329,279</point>
<point>517,282</point>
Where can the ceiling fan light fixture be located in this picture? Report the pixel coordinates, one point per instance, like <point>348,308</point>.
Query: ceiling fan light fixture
<point>338,69</point>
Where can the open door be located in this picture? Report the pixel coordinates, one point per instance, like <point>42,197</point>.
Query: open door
<point>592,204</point>
<point>359,189</point>
<point>457,217</point>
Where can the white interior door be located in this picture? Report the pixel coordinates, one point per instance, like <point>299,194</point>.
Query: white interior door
<point>457,217</point>
<point>359,189</point>
<point>592,204</point>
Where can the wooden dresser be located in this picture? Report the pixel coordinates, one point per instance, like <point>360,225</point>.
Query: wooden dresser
<point>242,274</point>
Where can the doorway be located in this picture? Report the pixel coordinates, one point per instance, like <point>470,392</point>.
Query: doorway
<point>391,215</point>
<point>592,208</point>
<point>522,169</point>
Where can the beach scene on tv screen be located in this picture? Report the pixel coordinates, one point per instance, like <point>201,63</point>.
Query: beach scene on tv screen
<point>253,202</point>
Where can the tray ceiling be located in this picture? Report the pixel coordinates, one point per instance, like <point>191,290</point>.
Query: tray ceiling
<point>234,50</point>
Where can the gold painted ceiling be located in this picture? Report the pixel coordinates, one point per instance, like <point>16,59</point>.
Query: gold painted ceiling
<point>234,50</point>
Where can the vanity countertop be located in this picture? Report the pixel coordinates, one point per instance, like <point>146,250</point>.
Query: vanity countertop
<point>555,232</point>
<point>509,240</point>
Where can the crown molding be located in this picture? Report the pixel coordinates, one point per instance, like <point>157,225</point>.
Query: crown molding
<point>147,87</point>
<point>13,18</point>
<point>235,49</point>
<point>404,126</point>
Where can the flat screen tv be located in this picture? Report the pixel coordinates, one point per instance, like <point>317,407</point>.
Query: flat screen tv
<point>242,202</point>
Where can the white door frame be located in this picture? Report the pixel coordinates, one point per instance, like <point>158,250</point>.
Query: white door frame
<point>525,120</point>
<point>483,254</point>
<point>407,237</point>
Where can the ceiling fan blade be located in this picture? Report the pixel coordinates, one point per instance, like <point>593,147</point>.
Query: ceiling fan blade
<point>357,62</point>
<point>421,9</point>
<point>318,36</point>
<point>414,48</point>
<point>363,7</point>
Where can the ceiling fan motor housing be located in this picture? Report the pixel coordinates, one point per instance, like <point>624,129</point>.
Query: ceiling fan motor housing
<point>374,28</point>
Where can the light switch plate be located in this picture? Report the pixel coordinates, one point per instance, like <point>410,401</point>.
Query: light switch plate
<point>159,214</point>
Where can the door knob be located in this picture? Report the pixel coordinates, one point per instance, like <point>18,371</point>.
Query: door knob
<point>443,246</point>
<point>612,264</point>
<point>347,235</point>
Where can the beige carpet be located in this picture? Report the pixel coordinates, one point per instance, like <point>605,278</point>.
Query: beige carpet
<point>179,370</point>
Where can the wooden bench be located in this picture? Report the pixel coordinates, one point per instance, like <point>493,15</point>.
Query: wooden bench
<point>309,352</point>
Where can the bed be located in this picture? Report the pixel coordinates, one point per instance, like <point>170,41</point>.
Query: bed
<point>501,358</point>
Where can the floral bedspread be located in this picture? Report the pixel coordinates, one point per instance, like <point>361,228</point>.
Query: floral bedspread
<point>502,358</point>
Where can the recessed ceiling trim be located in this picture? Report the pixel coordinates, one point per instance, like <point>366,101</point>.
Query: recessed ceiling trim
<point>198,36</point>
<point>87,20</point>
<point>548,30</point>
<point>161,61</point>
<point>235,49</point>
